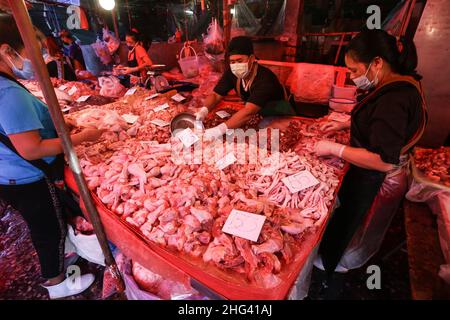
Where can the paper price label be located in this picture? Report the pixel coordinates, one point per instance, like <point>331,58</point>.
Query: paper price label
<point>83,98</point>
<point>130,91</point>
<point>178,97</point>
<point>300,181</point>
<point>160,123</point>
<point>244,224</point>
<point>72,91</point>
<point>153,96</point>
<point>229,159</point>
<point>187,137</point>
<point>223,114</point>
<point>63,87</point>
<point>130,118</point>
<point>161,107</point>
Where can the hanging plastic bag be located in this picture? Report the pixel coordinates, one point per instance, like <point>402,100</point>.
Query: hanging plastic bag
<point>102,51</point>
<point>111,41</point>
<point>111,87</point>
<point>189,63</point>
<point>213,40</point>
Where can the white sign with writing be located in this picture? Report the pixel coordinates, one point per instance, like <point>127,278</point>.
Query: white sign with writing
<point>178,97</point>
<point>72,90</point>
<point>187,137</point>
<point>153,96</point>
<point>161,107</point>
<point>160,123</point>
<point>130,91</point>
<point>299,181</point>
<point>130,118</point>
<point>83,98</point>
<point>244,224</point>
<point>223,114</point>
<point>63,87</point>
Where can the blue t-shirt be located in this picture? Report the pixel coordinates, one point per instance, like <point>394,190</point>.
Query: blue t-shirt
<point>20,111</point>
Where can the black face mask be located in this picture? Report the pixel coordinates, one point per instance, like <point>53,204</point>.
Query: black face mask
<point>131,47</point>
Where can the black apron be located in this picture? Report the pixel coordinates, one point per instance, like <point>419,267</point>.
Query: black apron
<point>358,191</point>
<point>132,63</point>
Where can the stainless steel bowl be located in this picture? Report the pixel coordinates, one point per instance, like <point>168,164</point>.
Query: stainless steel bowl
<point>181,121</point>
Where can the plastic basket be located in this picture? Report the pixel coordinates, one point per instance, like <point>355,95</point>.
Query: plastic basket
<point>189,65</point>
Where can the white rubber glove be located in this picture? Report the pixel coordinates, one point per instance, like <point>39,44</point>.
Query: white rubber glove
<point>215,132</point>
<point>328,148</point>
<point>202,114</point>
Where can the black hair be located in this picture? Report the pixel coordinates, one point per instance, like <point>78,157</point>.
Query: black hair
<point>134,35</point>
<point>369,44</point>
<point>9,33</point>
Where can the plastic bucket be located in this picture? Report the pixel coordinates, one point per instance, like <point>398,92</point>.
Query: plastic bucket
<point>189,65</point>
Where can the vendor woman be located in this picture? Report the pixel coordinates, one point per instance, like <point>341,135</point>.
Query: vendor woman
<point>257,86</point>
<point>384,126</point>
<point>138,59</point>
<point>28,142</point>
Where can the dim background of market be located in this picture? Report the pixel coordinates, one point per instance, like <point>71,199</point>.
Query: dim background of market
<point>113,167</point>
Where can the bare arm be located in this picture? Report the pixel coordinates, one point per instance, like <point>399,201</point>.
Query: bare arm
<point>212,100</point>
<point>31,146</point>
<point>365,159</point>
<point>242,116</point>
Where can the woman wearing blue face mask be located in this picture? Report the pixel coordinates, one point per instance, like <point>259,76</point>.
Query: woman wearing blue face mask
<point>385,125</point>
<point>31,160</point>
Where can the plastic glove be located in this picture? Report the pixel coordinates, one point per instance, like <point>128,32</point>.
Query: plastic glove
<point>202,114</point>
<point>328,148</point>
<point>333,126</point>
<point>216,132</point>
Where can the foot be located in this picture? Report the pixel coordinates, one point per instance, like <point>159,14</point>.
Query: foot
<point>319,265</point>
<point>70,286</point>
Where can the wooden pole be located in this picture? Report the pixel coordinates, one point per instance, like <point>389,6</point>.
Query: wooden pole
<point>226,22</point>
<point>31,45</point>
<point>116,27</point>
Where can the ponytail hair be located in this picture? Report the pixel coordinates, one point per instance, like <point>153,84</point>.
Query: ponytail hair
<point>400,55</point>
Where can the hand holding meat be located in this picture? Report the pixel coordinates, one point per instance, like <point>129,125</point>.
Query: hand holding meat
<point>333,126</point>
<point>328,148</point>
<point>92,134</point>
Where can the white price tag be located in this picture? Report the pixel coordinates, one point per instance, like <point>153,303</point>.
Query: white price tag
<point>130,118</point>
<point>160,123</point>
<point>153,96</point>
<point>83,98</point>
<point>72,91</point>
<point>63,87</point>
<point>161,107</point>
<point>178,97</point>
<point>223,114</point>
<point>130,91</point>
<point>244,224</point>
<point>229,159</point>
<point>299,181</point>
<point>66,109</point>
<point>187,137</point>
<point>339,117</point>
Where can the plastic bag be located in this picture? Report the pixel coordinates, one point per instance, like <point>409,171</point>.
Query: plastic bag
<point>111,87</point>
<point>111,41</point>
<point>213,40</point>
<point>92,61</point>
<point>86,246</point>
<point>99,118</point>
<point>102,51</point>
<point>311,82</point>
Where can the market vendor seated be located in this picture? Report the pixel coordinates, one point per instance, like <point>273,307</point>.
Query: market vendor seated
<point>138,58</point>
<point>258,86</point>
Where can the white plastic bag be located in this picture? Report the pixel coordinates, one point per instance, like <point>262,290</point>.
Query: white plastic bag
<point>86,246</point>
<point>111,41</point>
<point>111,87</point>
<point>213,40</point>
<point>102,51</point>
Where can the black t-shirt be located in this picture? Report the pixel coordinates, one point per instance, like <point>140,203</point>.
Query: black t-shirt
<point>265,88</point>
<point>75,53</point>
<point>52,68</point>
<point>387,123</point>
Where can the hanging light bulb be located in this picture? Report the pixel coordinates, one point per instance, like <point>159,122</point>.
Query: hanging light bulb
<point>107,4</point>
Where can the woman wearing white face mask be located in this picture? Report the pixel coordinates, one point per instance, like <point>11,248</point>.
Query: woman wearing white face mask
<point>256,85</point>
<point>31,160</point>
<point>385,125</point>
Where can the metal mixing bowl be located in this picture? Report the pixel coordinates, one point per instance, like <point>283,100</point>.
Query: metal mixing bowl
<point>181,121</point>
